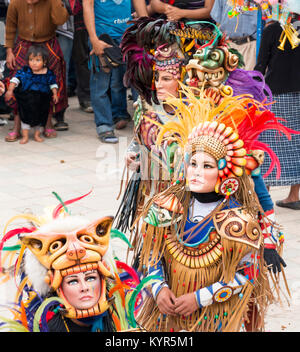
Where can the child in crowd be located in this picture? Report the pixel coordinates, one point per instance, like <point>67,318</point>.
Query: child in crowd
<point>33,87</point>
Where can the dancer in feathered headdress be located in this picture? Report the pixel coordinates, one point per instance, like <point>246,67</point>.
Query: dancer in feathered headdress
<point>68,278</point>
<point>193,52</point>
<point>205,234</point>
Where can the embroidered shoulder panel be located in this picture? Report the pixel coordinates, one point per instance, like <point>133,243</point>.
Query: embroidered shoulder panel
<point>237,225</point>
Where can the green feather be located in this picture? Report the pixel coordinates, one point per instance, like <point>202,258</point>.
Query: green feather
<point>39,312</point>
<point>114,233</point>
<point>131,297</point>
<point>61,201</point>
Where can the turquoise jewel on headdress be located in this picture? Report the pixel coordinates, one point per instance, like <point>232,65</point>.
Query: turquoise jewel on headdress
<point>221,164</point>
<point>256,172</point>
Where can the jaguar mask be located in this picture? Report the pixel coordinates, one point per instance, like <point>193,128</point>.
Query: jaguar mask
<point>69,246</point>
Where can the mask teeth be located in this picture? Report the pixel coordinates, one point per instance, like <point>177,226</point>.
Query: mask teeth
<point>79,269</point>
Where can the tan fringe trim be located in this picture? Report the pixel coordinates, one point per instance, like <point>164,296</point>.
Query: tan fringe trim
<point>233,252</point>
<point>226,317</point>
<point>153,245</point>
<point>185,280</point>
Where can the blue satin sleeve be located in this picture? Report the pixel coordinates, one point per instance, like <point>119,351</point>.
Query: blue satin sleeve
<point>263,194</point>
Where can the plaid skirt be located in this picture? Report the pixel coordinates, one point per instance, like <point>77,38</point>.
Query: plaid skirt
<point>56,63</point>
<point>286,106</point>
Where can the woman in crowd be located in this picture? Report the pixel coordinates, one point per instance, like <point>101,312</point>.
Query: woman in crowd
<point>35,22</point>
<point>281,70</point>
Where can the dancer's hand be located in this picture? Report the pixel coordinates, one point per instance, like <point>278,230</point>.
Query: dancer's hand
<point>173,13</point>
<point>165,301</point>
<point>55,98</point>
<point>130,160</point>
<point>8,95</point>
<point>273,260</point>
<point>186,304</point>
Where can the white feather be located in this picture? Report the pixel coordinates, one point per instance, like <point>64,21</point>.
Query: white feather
<point>65,225</point>
<point>36,273</point>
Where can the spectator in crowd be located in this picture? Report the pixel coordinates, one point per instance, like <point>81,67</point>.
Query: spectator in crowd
<point>80,58</point>
<point>282,74</point>
<point>29,22</point>
<point>242,31</point>
<point>33,87</point>
<point>65,35</point>
<point>108,17</point>
<point>176,10</point>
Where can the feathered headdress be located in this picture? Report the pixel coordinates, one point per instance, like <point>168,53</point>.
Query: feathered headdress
<point>138,45</point>
<point>228,132</point>
<point>141,40</point>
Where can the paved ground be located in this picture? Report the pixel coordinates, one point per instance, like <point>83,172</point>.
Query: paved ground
<point>76,162</point>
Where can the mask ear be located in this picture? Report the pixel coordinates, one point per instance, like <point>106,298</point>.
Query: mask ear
<point>103,226</point>
<point>34,244</point>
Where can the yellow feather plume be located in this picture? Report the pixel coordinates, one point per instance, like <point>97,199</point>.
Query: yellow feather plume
<point>194,107</point>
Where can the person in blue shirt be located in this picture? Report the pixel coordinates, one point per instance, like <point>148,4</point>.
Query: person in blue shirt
<point>108,94</point>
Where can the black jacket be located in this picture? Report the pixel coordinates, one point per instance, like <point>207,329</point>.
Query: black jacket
<point>280,67</point>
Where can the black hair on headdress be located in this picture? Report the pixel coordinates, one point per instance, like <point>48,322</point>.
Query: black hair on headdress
<point>142,37</point>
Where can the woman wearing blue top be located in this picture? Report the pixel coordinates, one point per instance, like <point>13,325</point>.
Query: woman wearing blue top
<point>33,87</point>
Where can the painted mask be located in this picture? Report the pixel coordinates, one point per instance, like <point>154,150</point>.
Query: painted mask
<point>65,249</point>
<point>210,68</point>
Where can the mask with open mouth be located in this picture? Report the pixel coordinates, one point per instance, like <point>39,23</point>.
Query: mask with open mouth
<point>210,68</point>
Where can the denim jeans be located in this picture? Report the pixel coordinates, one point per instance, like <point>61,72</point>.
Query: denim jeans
<point>108,97</point>
<point>66,45</point>
<point>80,57</point>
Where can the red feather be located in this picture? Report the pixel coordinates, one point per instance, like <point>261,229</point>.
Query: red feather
<point>11,234</point>
<point>59,207</point>
<point>129,270</point>
<point>254,124</point>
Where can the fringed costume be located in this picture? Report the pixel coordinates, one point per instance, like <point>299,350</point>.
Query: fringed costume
<point>198,54</point>
<point>211,245</point>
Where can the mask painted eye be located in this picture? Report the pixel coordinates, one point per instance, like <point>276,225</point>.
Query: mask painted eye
<point>55,246</point>
<point>86,239</point>
<point>215,56</point>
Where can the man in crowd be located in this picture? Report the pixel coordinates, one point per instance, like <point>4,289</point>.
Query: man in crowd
<point>108,94</point>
